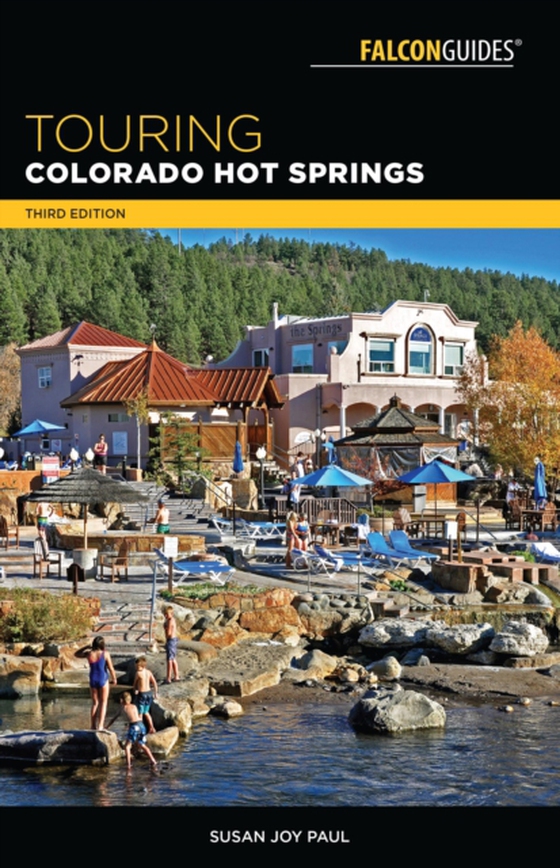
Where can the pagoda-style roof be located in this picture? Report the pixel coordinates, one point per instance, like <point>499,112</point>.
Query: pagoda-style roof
<point>83,334</point>
<point>396,426</point>
<point>163,379</point>
<point>243,387</point>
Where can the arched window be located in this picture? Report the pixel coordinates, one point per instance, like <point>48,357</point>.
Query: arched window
<point>420,351</point>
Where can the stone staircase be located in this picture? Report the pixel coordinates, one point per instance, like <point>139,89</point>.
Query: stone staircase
<point>125,627</point>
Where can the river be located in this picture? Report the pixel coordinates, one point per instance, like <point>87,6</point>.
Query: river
<point>306,755</point>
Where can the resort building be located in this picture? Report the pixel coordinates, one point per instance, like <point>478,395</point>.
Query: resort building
<point>86,379</point>
<point>336,371</point>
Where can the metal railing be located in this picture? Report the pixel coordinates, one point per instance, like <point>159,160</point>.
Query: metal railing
<point>342,510</point>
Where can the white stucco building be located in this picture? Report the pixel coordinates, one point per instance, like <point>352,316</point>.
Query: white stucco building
<point>336,371</point>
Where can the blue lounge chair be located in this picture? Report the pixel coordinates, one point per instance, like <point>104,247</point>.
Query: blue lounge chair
<point>183,570</point>
<point>223,525</point>
<point>379,548</point>
<point>401,543</point>
<point>546,553</point>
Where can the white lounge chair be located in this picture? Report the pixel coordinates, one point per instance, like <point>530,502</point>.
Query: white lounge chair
<point>184,570</point>
<point>260,530</point>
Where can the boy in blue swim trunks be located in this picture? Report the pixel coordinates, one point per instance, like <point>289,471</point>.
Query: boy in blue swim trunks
<point>143,696</point>
<point>136,730</point>
<point>171,642</point>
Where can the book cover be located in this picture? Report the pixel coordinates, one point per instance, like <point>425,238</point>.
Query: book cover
<point>347,119</point>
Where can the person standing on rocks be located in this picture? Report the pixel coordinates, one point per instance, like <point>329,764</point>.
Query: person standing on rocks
<point>143,695</point>
<point>171,642</point>
<point>101,673</point>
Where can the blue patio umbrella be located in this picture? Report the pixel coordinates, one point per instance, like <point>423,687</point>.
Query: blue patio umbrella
<point>38,427</point>
<point>334,475</point>
<point>434,473</point>
<point>540,493</point>
<point>238,465</point>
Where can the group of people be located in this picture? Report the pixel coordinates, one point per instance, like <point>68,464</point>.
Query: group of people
<point>135,705</point>
<point>298,534</point>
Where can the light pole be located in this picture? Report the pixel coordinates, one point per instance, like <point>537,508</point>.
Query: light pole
<point>74,456</point>
<point>261,455</point>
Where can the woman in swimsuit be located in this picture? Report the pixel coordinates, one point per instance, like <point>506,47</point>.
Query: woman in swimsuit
<point>100,668</point>
<point>292,538</point>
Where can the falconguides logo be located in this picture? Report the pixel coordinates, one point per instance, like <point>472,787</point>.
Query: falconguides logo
<point>432,52</point>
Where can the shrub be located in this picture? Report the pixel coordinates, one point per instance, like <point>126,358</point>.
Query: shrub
<point>203,590</point>
<point>38,616</point>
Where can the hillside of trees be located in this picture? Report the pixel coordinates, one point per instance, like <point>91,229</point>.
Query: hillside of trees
<point>201,298</point>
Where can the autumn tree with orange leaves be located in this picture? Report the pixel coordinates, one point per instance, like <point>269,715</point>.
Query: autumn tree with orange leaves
<point>519,403</point>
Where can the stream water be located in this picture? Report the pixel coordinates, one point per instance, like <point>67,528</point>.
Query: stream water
<point>307,755</point>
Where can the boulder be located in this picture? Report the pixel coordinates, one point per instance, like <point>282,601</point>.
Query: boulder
<point>519,639</point>
<point>317,664</point>
<point>503,592</point>
<point>248,667</point>
<point>460,639</point>
<point>75,747</point>
<point>172,710</point>
<point>396,633</point>
<point>270,620</point>
<point>161,743</point>
<point>390,711</point>
<point>19,676</point>
<point>222,707</point>
<point>387,669</point>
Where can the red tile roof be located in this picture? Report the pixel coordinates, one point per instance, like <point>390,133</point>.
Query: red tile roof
<point>249,386</point>
<point>83,334</point>
<point>165,380</point>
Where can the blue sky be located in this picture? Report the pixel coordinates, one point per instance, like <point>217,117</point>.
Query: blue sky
<point>535,252</point>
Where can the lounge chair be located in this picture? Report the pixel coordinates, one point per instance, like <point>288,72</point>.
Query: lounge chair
<point>258,530</point>
<point>401,543</point>
<point>183,570</point>
<point>546,553</point>
<point>345,560</point>
<point>314,563</point>
<point>223,525</point>
<point>377,548</point>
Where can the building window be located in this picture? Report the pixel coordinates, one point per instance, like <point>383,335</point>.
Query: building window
<point>45,377</point>
<point>381,356</point>
<point>420,351</point>
<point>260,358</point>
<point>302,359</point>
<point>339,346</point>
<point>118,417</point>
<point>454,355</point>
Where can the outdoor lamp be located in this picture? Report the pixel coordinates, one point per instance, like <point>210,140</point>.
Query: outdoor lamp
<point>89,455</point>
<point>261,455</point>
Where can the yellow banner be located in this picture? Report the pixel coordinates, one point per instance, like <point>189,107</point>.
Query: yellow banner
<point>383,214</point>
